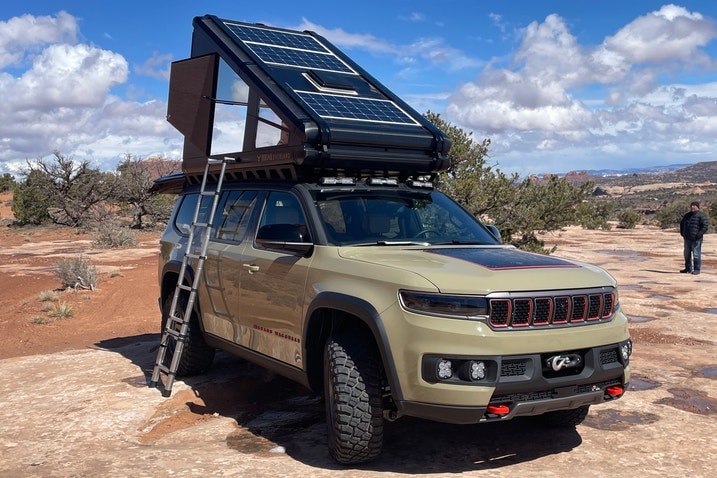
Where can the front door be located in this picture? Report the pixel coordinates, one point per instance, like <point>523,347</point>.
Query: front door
<point>273,287</point>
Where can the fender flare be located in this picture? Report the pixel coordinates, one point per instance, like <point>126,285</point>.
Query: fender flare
<point>369,316</point>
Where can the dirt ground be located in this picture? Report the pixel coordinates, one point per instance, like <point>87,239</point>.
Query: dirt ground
<point>74,399</point>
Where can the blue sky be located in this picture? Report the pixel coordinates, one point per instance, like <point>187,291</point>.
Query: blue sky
<point>556,85</point>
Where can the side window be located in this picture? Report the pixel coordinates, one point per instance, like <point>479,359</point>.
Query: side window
<point>233,215</point>
<point>282,209</point>
<point>183,220</point>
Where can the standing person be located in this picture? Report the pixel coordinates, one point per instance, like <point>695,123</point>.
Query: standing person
<point>693,226</point>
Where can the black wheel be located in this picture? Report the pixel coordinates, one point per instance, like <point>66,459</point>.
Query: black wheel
<point>197,356</point>
<point>565,418</point>
<point>352,389</point>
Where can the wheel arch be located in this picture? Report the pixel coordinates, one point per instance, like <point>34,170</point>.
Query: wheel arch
<point>170,275</point>
<point>331,312</point>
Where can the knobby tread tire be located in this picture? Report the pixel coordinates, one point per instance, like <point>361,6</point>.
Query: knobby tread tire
<point>197,356</point>
<point>354,412</point>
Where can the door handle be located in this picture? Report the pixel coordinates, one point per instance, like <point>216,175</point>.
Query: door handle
<point>251,267</point>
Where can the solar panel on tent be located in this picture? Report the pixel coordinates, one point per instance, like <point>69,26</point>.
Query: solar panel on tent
<point>288,49</point>
<point>301,104</point>
<point>352,108</point>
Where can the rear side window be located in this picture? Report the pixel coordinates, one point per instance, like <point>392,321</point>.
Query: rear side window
<point>183,220</point>
<point>233,215</point>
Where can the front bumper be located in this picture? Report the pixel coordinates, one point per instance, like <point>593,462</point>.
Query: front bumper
<point>517,363</point>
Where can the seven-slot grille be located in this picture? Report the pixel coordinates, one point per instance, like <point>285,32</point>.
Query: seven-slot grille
<point>569,309</point>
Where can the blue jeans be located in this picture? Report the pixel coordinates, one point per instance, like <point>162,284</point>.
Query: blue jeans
<point>693,251</point>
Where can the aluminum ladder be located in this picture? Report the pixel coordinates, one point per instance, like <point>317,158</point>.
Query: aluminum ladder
<point>176,327</point>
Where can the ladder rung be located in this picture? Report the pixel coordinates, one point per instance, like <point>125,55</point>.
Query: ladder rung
<point>201,224</point>
<point>176,319</point>
<point>196,256</point>
<point>173,333</point>
<point>207,193</point>
<point>184,287</point>
<point>163,368</point>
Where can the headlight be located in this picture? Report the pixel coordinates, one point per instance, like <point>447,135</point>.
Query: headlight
<point>442,305</point>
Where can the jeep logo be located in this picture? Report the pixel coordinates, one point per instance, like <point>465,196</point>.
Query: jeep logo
<point>559,362</point>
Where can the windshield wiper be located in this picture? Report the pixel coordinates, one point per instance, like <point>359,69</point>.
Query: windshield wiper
<point>462,243</point>
<point>392,243</point>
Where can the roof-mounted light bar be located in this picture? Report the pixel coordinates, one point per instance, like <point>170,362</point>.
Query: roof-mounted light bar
<point>416,183</point>
<point>381,181</point>
<point>333,181</point>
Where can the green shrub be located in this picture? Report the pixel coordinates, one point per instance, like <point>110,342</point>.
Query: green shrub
<point>63,310</point>
<point>29,200</point>
<point>628,219</point>
<point>109,235</point>
<point>594,215</point>
<point>7,182</point>
<point>78,273</point>
<point>670,214</point>
<point>48,296</point>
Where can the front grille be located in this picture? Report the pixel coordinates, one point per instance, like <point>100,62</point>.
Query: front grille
<point>520,312</point>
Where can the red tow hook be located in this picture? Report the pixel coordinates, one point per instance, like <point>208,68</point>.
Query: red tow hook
<point>499,410</point>
<point>615,391</point>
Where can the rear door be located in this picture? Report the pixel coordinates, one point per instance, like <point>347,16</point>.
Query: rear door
<point>221,298</point>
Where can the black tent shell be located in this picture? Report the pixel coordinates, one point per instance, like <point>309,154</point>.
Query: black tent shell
<point>286,104</point>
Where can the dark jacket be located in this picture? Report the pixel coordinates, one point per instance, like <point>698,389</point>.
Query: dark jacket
<point>694,225</point>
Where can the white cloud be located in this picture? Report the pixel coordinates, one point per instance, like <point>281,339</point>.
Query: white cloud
<point>344,39</point>
<point>63,98</point>
<point>433,50</point>
<point>157,66</point>
<point>21,36</point>
<point>534,99</point>
<point>669,33</point>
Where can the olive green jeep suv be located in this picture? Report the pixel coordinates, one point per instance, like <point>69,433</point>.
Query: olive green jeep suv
<point>328,257</point>
<point>391,299</point>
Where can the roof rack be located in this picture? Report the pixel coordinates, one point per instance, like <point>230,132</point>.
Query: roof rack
<point>286,104</point>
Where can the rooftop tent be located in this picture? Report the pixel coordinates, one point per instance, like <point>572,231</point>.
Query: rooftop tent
<point>284,103</point>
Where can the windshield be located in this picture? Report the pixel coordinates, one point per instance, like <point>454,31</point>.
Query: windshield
<point>398,217</point>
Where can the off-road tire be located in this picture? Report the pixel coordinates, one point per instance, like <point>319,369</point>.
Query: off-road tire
<point>352,391</point>
<point>565,418</point>
<point>197,356</point>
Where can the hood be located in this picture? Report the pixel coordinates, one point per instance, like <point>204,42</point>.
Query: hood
<point>484,269</point>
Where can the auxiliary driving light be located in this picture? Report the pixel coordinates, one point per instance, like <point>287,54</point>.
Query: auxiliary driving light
<point>458,370</point>
<point>444,370</point>
<point>472,371</point>
<point>626,350</point>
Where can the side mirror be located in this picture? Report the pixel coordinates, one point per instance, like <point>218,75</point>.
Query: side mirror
<point>283,237</point>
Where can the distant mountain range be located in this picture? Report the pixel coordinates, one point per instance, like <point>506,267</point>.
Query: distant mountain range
<point>694,173</point>
<point>630,171</point>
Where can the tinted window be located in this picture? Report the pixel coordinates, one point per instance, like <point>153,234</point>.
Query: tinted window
<point>233,215</point>
<point>282,208</point>
<point>183,220</point>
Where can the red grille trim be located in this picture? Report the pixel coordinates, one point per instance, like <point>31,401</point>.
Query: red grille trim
<point>546,311</point>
